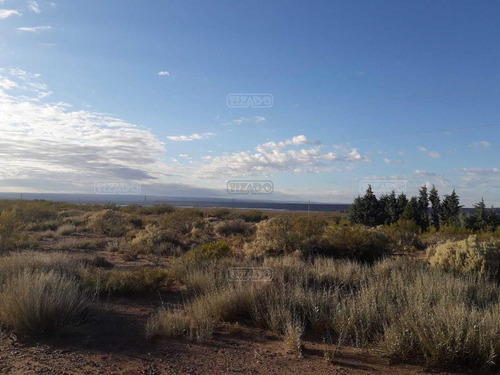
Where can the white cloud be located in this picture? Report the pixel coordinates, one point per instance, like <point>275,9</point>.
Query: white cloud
<point>432,154</point>
<point>189,138</point>
<point>246,120</point>
<point>34,29</point>
<point>164,73</point>
<point>482,144</point>
<point>278,157</point>
<point>51,147</point>
<point>432,177</point>
<point>6,13</point>
<point>34,7</point>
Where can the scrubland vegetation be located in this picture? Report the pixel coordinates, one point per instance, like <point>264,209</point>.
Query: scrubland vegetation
<point>421,293</point>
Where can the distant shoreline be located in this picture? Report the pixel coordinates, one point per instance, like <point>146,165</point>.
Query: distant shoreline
<point>236,203</point>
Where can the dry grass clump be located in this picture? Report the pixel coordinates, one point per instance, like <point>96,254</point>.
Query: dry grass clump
<point>410,310</point>
<point>16,263</point>
<point>42,302</point>
<point>469,256</point>
<point>108,223</point>
<point>66,230</point>
<point>292,336</point>
<point>126,282</point>
<point>40,293</point>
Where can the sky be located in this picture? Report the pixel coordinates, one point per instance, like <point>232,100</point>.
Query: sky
<point>319,98</point>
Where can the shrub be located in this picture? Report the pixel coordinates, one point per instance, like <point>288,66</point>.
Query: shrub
<point>180,222</point>
<point>66,230</point>
<point>231,227</point>
<point>220,213</point>
<point>251,216</point>
<point>468,256</point>
<point>153,240</point>
<point>211,250</point>
<point>108,222</point>
<point>272,238</point>
<point>405,234</point>
<point>306,233</point>
<point>9,229</point>
<point>42,302</point>
<point>356,242</point>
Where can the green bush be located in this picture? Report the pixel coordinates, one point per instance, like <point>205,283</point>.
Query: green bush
<point>469,256</point>
<point>212,250</point>
<point>356,242</point>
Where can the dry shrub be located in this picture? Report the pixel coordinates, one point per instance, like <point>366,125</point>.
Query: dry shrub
<point>212,250</point>
<point>180,222</point>
<point>153,240</point>
<point>232,227</point>
<point>9,229</point>
<point>66,230</point>
<point>405,235</point>
<point>108,223</point>
<point>272,238</point>
<point>42,302</point>
<point>292,336</point>
<point>250,216</point>
<point>356,242</point>
<point>469,256</point>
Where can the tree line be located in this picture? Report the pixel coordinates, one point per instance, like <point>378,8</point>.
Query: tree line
<point>426,210</point>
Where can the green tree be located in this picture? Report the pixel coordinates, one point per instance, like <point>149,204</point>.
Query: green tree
<point>423,207</point>
<point>365,210</point>
<point>357,211</point>
<point>451,210</point>
<point>388,208</point>
<point>401,203</point>
<point>436,207</point>
<point>492,219</point>
<point>412,211</point>
<point>478,219</point>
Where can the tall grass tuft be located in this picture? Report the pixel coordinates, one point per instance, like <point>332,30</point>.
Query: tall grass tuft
<point>42,302</point>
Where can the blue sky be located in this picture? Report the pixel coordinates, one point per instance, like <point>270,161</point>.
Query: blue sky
<point>401,92</point>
